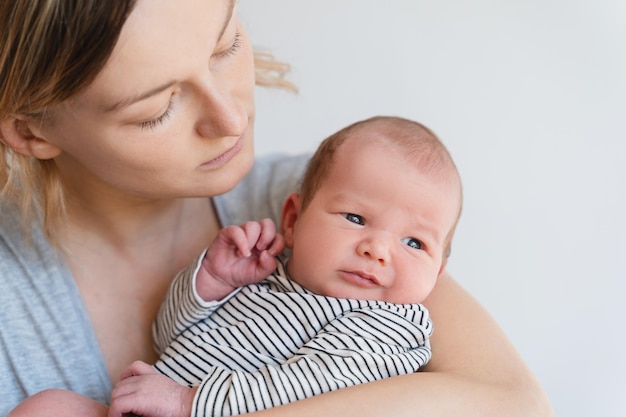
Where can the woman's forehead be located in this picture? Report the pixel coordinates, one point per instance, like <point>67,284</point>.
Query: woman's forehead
<point>160,43</point>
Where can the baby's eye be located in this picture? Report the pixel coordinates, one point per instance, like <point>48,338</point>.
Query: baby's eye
<point>413,243</point>
<point>354,218</point>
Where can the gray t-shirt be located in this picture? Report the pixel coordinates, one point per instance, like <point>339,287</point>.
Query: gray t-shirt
<point>46,339</point>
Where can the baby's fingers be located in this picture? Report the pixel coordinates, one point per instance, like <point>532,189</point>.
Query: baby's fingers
<point>267,234</point>
<point>137,368</point>
<point>242,237</point>
<point>277,246</point>
<point>267,263</point>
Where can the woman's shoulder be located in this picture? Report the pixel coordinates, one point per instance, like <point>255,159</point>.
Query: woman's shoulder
<point>24,252</point>
<point>41,312</point>
<point>15,239</point>
<point>27,259</point>
<point>263,191</point>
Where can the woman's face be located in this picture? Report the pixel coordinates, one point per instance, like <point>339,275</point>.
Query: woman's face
<point>171,114</point>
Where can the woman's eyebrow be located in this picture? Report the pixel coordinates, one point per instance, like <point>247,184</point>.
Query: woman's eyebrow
<point>134,99</point>
<point>139,97</point>
<point>229,15</point>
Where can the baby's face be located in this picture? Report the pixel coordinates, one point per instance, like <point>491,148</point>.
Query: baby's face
<point>375,229</point>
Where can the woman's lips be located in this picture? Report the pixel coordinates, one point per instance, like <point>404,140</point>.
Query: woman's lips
<point>224,158</point>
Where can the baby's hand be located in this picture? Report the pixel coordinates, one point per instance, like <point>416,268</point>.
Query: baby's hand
<point>143,391</point>
<point>240,255</point>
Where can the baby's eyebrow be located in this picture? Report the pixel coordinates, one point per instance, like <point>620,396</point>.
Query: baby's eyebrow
<point>427,230</point>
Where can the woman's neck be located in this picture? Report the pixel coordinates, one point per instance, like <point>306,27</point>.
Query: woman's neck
<point>173,230</point>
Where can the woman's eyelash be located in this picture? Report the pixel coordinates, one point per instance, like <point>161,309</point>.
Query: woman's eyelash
<point>153,123</point>
<point>233,48</point>
<point>157,121</point>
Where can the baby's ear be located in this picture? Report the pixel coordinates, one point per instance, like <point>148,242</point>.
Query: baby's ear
<point>24,137</point>
<point>288,218</point>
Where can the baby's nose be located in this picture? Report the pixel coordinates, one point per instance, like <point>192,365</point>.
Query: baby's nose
<point>375,248</point>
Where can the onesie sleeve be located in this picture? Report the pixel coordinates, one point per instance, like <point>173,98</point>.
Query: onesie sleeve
<point>182,307</point>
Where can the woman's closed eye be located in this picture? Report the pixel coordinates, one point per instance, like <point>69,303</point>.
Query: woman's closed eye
<point>413,243</point>
<point>159,120</point>
<point>354,218</point>
<point>232,50</point>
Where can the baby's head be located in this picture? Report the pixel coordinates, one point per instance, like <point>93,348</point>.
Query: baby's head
<point>378,206</point>
<point>416,142</point>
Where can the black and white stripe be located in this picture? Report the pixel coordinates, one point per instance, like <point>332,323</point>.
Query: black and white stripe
<point>276,342</point>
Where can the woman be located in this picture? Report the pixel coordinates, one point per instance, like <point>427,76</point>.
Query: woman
<point>117,121</point>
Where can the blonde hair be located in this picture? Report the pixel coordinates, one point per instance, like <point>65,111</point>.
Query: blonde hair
<point>418,143</point>
<point>271,73</point>
<point>49,51</point>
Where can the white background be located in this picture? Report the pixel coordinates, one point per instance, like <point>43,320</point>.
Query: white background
<point>530,98</point>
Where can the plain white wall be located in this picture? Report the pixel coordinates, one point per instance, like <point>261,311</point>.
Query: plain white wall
<point>530,97</point>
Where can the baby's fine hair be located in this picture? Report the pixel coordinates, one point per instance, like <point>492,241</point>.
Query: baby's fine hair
<point>418,143</point>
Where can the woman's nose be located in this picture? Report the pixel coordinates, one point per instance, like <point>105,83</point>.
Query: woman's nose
<point>221,113</point>
<point>375,248</point>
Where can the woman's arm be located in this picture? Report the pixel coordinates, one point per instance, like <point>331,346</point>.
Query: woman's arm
<point>475,371</point>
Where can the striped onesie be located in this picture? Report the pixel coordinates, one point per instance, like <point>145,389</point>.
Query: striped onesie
<point>275,342</point>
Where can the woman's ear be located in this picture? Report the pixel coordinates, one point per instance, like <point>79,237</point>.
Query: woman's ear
<point>288,218</point>
<point>21,135</point>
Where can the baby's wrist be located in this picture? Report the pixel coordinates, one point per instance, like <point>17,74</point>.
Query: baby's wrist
<point>209,288</point>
